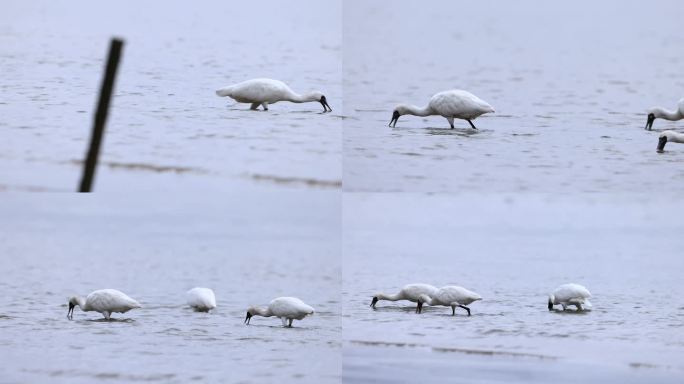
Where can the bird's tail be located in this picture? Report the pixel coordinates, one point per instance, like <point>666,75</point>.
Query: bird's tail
<point>224,91</point>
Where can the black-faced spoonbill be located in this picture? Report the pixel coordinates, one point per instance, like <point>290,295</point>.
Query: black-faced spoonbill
<point>410,292</point>
<point>570,294</point>
<point>268,91</point>
<point>451,296</point>
<point>449,104</point>
<point>671,137</point>
<point>105,301</point>
<point>662,113</point>
<point>285,308</point>
<point>201,299</point>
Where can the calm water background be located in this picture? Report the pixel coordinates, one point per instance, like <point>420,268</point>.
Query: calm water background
<point>249,250</point>
<point>167,127</point>
<point>514,250</point>
<point>570,83</point>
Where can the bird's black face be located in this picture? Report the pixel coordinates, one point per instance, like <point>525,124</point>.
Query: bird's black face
<point>395,118</point>
<point>70,312</point>
<point>249,316</point>
<point>661,143</point>
<point>324,103</point>
<point>649,121</point>
<point>374,301</point>
<point>550,306</point>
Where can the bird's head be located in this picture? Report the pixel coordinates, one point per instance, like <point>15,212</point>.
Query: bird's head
<point>318,96</point>
<point>649,120</point>
<point>662,140</point>
<point>399,110</point>
<point>250,312</point>
<point>73,301</point>
<point>374,301</point>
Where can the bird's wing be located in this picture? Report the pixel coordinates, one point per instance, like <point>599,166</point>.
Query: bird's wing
<point>258,90</point>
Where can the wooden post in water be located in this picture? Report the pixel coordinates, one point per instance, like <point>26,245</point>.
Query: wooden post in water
<point>101,115</point>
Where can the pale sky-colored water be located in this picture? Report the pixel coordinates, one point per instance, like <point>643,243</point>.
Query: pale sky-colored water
<point>165,117</point>
<point>249,251</point>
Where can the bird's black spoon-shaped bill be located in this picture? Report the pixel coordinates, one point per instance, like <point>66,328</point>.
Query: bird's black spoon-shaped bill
<point>324,103</point>
<point>248,317</point>
<point>395,118</point>
<point>649,121</point>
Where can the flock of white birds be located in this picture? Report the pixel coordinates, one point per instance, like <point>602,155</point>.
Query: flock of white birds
<point>454,296</point>
<point>288,309</point>
<point>108,301</point>
<point>452,104</point>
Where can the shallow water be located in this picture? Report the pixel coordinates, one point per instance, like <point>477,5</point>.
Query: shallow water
<point>570,88</point>
<point>249,250</point>
<point>513,251</point>
<point>165,118</point>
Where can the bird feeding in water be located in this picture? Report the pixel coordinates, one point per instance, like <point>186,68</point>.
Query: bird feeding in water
<point>451,296</point>
<point>285,308</point>
<point>671,137</point>
<point>449,104</point>
<point>570,294</point>
<point>201,299</point>
<point>410,292</point>
<point>105,301</point>
<point>662,113</point>
<point>268,91</point>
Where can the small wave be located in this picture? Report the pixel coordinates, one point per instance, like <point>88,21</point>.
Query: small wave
<point>297,180</point>
<point>148,167</point>
<point>453,350</point>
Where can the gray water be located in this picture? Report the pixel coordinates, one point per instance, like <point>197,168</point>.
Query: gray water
<point>513,251</point>
<point>249,250</point>
<point>570,84</point>
<point>167,127</point>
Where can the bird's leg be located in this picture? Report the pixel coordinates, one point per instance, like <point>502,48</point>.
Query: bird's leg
<point>453,310</point>
<point>471,124</point>
<point>106,315</point>
<point>564,306</point>
<point>466,308</point>
<point>254,106</point>
<point>451,121</point>
<point>289,323</point>
<point>265,105</point>
<point>419,307</point>
<point>284,320</point>
<point>579,307</point>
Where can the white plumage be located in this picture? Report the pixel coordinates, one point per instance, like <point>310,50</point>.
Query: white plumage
<point>449,104</point>
<point>285,308</point>
<point>268,91</point>
<point>570,294</point>
<point>201,299</point>
<point>662,113</point>
<point>410,292</point>
<point>669,137</point>
<point>105,301</point>
<point>452,296</point>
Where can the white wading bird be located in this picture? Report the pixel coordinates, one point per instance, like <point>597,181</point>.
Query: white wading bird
<point>570,294</point>
<point>201,299</point>
<point>662,113</point>
<point>449,104</point>
<point>285,308</point>
<point>451,296</point>
<point>669,136</point>
<point>411,292</point>
<point>267,91</point>
<point>104,301</point>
